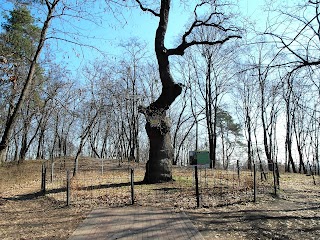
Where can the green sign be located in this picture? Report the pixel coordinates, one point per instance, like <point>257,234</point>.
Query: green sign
<point>199,158</point>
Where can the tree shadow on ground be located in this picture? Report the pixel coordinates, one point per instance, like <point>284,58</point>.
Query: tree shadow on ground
<point>279,219</point>
<point>34,195</point>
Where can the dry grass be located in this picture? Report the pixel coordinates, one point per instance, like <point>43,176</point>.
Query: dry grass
<point>111,187</point>
<point>14,176</point>
<point>294,214</point>
<point>25,214</point>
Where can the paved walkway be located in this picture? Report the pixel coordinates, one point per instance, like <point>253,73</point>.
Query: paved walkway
<point>136,223</point>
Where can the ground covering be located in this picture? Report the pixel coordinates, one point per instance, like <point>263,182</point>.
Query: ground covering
<point>26,214</point>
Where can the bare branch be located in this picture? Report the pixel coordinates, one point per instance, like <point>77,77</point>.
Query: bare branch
<point>287,46</point>
<point>305,62</point>
<point>318,20</point>
<point>213,20</point>
<point>147,9</point>
<point>184,45</point>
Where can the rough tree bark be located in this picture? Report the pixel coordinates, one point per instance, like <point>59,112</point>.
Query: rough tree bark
<point>158,125</point>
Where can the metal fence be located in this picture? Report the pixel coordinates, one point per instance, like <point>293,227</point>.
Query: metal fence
<point>117,184</point>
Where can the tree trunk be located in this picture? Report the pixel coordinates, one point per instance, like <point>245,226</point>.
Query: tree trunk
<point>223,150</point>
<point>3,154</point>
<point>76,160</point>
<point>40,150</point>
<point>249,141</point>
<point>301,162</point>
<point>213,155</point>
<point>289,122</point>
<point>25,91</point>
<point>290,158</point>
<point>25,131</point>
<point>159,165</point>
<point>211,118</point>
<point>316,159</point>
<point>23,149</point>
<point>158,126</point>
<point>267,147</point>
<point>263,174</point>
<point>83,138</point>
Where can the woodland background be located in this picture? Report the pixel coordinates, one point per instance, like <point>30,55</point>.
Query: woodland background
<point>252,99</point>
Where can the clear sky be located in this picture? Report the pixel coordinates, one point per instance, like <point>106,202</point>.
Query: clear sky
<point>142,26</point>
<point>110,32</point>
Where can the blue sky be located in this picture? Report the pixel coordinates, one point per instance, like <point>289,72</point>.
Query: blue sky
<point>142,26</point>
<point>109,33</point>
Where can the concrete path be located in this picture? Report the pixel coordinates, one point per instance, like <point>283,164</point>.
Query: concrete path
<point>136,223</point>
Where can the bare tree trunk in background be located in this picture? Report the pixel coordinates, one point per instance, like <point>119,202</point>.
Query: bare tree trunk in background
<point>3,156</point>
<point>83,137</point>
<point>180,136</point>
<point>268,118</point>
<point>315,143</point>
<point>288,92</point>
<point>289,139</point>
<point>246,91</point>
<point>25,91</point>
<point>40,150</point>
<point>267,147</point>
<point>263,174</point>
<point>211,115</point>
<point>249,141</point>
<point>300,141</point>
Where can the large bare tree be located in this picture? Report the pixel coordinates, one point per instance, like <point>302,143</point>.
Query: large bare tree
<point>158,124</point>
